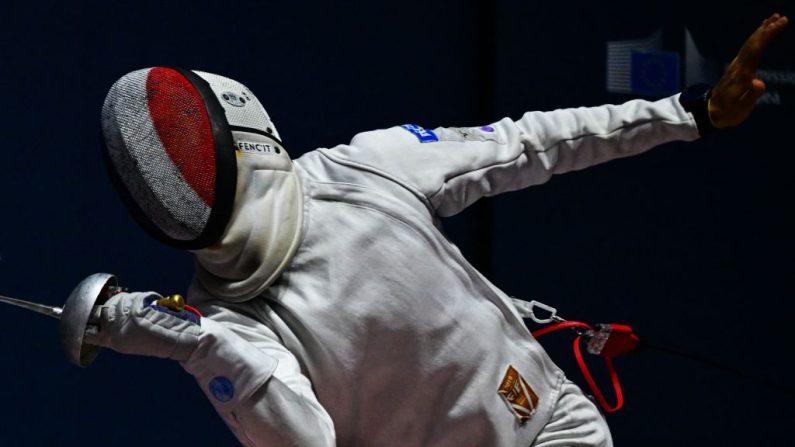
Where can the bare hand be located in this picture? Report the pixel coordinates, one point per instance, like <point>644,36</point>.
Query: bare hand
<point>734,96</point>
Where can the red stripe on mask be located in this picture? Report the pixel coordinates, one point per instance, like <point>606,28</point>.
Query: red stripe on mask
<point>183,125</point>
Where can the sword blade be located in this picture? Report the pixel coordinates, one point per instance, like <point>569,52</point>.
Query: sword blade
<point>50,311</point>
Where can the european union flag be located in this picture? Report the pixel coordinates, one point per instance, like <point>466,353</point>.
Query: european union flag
<point>655,73</point>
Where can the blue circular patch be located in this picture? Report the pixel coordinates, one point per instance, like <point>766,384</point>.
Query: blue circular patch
<point>222,389</point>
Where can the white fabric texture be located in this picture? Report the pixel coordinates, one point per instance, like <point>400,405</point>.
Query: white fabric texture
<point>268,214</point>
<point>378,332</point>
<point>211,351</point>
<point>576,422</point>
<point>254,398</point>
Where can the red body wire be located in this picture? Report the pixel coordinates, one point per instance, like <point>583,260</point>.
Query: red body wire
<point>624,340</point>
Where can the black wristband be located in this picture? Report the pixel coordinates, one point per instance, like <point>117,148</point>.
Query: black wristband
<point>695,99</point>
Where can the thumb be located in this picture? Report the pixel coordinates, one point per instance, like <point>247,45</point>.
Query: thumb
<point>753,94</point>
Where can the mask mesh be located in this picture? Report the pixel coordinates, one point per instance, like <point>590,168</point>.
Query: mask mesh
<point>160,143</point>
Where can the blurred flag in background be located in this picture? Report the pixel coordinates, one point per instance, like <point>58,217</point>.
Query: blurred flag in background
<point>641,67</point>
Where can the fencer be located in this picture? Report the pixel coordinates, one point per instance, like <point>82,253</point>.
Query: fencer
<point>335,310</point>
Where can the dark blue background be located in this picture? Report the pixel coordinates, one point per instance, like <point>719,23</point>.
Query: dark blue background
<point>690,244</point>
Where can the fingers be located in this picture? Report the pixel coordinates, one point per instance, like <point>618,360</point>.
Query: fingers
<point>754,93</point>
<point>751,52</point>
<point>736,93</point>
<point>772,26</point>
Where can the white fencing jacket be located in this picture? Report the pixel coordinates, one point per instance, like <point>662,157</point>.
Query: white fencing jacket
<point>378,332</point>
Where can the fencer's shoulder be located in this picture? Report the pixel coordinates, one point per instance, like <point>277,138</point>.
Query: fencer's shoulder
<point>374,145</point>
<point>381,148</point>
<point>396,136</point>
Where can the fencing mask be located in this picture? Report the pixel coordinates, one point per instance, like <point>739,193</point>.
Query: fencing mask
<point>200,165</point>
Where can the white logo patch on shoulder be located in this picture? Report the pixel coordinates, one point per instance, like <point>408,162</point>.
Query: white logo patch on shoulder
<point>518,394</point>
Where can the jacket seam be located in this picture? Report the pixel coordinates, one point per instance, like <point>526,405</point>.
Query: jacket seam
<point>617,129</point>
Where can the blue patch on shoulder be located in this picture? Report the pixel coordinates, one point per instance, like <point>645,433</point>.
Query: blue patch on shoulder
<point>424,135</point>
<point>222,389</point>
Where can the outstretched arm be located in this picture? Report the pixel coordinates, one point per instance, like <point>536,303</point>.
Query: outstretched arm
<point>734,96</point>
<point>449,168</point>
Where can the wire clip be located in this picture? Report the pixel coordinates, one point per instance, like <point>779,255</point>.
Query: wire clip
<point>527,309</point>
<point>611,340</point>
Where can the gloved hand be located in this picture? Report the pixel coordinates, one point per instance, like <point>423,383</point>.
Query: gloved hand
<point>132,324</point>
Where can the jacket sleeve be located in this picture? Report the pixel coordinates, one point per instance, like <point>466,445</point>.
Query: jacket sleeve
<point>256,384</point>
<point>450,168</point>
